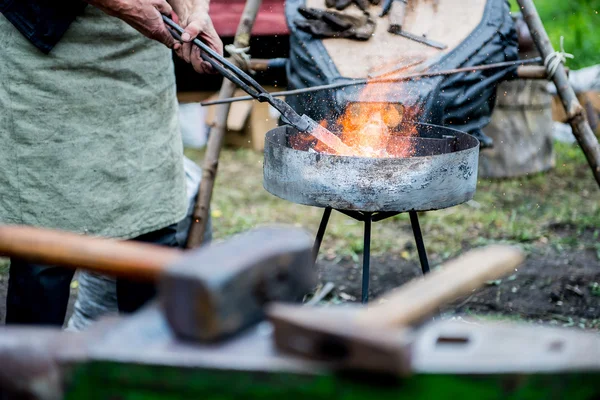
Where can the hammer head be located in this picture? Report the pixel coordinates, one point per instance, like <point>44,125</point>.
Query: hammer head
<point>333,335</point>
<point>218,290</point>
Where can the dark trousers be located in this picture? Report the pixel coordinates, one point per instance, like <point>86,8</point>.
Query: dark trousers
<point>39,294</point>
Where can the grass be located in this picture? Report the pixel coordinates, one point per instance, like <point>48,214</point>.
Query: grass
<point>526,211</point>
<point>4,265</point>
<point>578,22</point>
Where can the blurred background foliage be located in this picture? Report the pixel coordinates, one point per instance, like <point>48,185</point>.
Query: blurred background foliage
<point>578,21</point>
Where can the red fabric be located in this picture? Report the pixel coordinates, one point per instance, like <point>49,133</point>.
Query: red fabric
<point>226,15</point>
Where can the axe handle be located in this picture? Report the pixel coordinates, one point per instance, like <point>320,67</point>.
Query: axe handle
<point>131,260</point>
<point>420,298</point>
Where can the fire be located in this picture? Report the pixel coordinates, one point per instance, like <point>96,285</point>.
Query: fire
<point>369,127</point>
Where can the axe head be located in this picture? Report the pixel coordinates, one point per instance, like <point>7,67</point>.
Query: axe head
<point>216,291</point>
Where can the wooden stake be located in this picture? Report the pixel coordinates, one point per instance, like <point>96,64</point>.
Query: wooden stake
<point>575,113</point>
<point>217,134</point>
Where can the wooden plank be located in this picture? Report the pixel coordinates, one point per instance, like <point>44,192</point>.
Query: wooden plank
<point>503,348</point>
<point>261,122</point>
<point>145,338</point>
<point>453,21</point>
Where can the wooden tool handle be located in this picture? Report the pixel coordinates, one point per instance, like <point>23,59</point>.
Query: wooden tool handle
<point>397,14</point>
<point>132,260</point>
<point>418,299</point>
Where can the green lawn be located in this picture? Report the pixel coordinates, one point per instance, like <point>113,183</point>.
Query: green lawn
<point>578,21</point>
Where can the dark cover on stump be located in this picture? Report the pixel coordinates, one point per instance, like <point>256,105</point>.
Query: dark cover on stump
<point>463,101</point>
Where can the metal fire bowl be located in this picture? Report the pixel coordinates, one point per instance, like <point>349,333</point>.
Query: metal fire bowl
<point>442,173</point>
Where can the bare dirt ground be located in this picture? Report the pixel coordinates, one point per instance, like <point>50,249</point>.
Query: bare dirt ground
<point>554,286</point>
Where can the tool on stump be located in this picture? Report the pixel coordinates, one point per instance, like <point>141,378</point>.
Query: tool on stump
<point>378,338</point>
<point>397,13</point>
<point>301,122</point>
<point>396,10</point>
<point>416,38</point>
<point>208,293</point>
<point>331,24</point>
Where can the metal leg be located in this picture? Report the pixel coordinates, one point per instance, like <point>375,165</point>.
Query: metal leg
<point>414,221</point>
<point>321,233</point>
<point>366,258</point>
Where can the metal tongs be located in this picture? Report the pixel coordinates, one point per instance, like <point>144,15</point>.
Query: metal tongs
<point>302,123</point>
<point>244,81</point>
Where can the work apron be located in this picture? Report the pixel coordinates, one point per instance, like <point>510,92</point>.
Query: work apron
<point>89,137</point>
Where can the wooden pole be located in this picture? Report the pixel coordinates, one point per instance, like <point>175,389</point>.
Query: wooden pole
<point>217,134</point>
<point>534,72</point>
<point>575,112</point>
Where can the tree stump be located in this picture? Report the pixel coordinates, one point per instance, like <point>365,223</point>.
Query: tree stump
<point>521,128</point>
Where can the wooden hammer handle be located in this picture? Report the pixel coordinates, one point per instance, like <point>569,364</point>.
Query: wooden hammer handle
<point>131,260</point>
<point>397,15</point>
<point>418,299</point>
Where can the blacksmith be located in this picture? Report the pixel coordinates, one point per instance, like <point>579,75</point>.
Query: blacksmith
<point>89,136</point>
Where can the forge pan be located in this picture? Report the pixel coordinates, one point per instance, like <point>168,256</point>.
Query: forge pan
<point>442,173</point>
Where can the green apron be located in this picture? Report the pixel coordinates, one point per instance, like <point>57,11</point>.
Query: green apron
<point>89,136</point>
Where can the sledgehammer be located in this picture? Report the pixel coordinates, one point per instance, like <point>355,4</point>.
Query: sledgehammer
<point>207,293</point>
<point>378,338</point>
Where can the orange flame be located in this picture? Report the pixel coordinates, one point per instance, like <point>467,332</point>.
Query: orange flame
<point>370,127</point>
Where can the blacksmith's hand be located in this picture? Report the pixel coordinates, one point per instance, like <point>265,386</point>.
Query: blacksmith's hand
<point>143,15</point>
<point>194,18</point>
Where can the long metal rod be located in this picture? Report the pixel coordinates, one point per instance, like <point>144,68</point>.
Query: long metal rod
<point>321,232</point>
<point>419,39</point>
<point>357,82</point>
<point>414,221</point>
<point>575,113</point>
<point>366,259</point>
